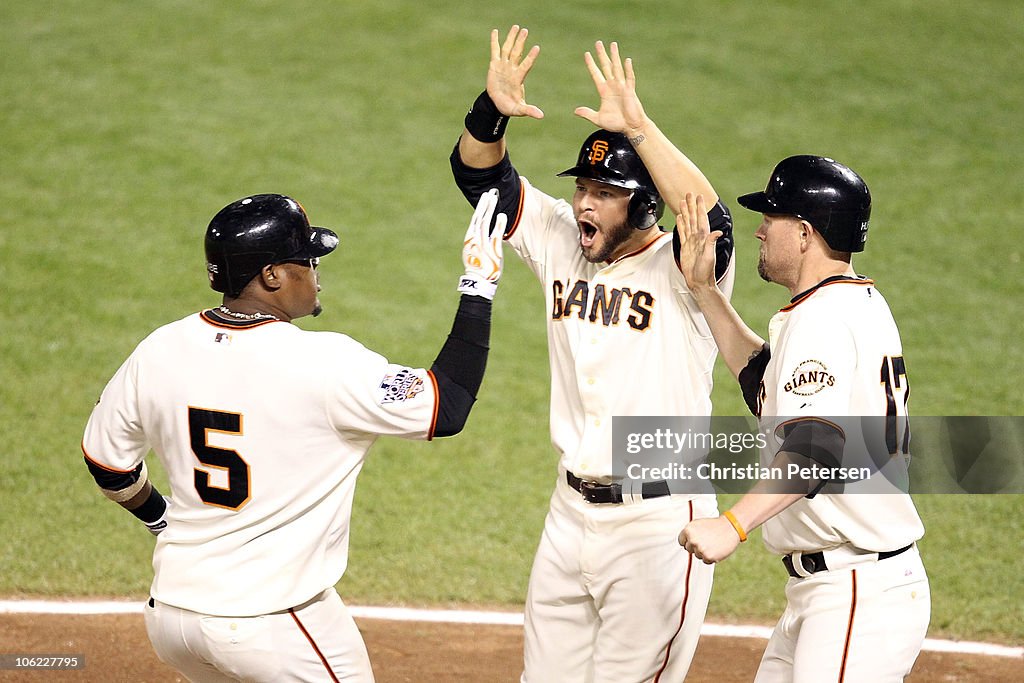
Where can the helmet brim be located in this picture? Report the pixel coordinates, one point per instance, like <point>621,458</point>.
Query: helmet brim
<point>321,242</point>
<point>592,172</point>
<point>759,202</point>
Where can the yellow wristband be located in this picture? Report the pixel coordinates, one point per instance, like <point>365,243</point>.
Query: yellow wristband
<point>735,525</point>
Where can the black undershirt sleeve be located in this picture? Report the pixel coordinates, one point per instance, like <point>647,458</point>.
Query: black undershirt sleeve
<point>110,480</point>
<point>150,510</point>
<point>475,181</point>
<point>814,440</point>
<point>459,367</point>
<point>720,219</point>
<point>750,378</point>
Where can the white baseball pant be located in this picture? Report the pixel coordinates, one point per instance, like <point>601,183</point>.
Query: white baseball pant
<point>861,624</point>
<point>316,641</point>
<point>612,597</point>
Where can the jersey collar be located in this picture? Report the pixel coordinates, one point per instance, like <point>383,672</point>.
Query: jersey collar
<point>835,279</point>
<point>217,319</point>
<point>640,250</point>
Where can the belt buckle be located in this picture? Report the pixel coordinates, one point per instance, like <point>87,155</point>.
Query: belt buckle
<point>588,489</point>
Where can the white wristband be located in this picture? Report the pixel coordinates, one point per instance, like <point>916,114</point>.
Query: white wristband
<point>476,285</point>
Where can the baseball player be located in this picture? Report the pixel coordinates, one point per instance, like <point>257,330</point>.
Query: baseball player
<point>858,600</point>
<point>611,597</point>
<point>262,428</point>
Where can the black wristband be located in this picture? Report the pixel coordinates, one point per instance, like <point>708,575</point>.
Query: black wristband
<point>484,122</point>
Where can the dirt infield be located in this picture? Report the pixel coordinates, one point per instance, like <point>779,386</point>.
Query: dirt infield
<point>116,649</point>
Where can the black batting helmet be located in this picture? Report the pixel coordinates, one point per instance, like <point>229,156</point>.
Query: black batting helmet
<point>609,158</point>
<point>255,232</point>
<point>821,191</point>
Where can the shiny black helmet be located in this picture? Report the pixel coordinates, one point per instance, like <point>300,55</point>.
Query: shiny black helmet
<point>609,158</point>
<point>257,231</point>
<point>821,191</point>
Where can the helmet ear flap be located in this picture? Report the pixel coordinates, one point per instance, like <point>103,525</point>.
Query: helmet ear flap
<point>644,210</point>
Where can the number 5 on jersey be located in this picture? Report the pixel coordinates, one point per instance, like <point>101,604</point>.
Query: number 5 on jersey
<point>200,423</point>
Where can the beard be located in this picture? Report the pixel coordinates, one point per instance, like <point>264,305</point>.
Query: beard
<point>762,268</point>
<point>611,240</point>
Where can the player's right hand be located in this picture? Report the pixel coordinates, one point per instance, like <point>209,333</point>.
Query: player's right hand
<point>696,243</point>
<point>507,72</point>
<point>620,110</point>
<point>481,249</point>
<point>710,540</point>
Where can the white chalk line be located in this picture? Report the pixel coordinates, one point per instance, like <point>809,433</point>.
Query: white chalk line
<point>474,617</point>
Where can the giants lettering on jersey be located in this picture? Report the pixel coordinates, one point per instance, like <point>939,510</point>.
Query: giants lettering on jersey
<point>601,305</point>
<point>809,377</point>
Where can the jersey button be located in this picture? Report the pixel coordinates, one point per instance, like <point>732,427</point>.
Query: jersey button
<point>591,380</point>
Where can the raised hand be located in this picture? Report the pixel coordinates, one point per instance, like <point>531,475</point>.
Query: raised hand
<point>506,74</point>
<point>696,243</point>
<point>620,109</point>
<point>481,248</point>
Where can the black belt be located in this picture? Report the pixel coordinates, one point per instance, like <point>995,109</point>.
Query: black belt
<point>815,562</point>
<point>593,492</point>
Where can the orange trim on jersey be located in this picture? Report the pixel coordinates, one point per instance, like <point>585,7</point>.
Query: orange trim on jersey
<point>640,250</point>
<point>509,231</point>
<point>800,298</point>
<point>212,319</point>
<point>108,468</point>
<point>313,644</point>
<point>437,405</point>
<point>682,614</point>
<point>849,626</point>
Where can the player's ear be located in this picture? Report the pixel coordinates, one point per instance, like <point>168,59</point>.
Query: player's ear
<point>807,233</point>
<point>270,278</point>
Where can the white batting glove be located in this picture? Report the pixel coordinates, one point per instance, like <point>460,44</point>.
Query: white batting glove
<point>481,249</point>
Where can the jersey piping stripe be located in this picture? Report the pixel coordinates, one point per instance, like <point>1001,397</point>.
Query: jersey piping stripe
<point>682,612</point>
<point>213,319</point>
<point>437,404</point>
<point>519,212</point>
<point>313,644</point>
<point>806,295</point>
<point>640,250</point>
<point>849,627</point>
<point>108,468</point>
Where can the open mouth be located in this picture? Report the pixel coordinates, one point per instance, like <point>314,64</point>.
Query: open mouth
<point>588,232</point>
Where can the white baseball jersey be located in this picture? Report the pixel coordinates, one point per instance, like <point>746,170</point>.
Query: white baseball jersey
<point>836,351</point>
<point>262,428</point>
<point>624,338</point>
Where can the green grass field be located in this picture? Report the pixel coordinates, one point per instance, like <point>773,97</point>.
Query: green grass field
<point>125,126</point>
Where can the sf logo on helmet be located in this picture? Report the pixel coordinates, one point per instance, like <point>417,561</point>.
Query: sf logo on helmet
<point>598,151</point>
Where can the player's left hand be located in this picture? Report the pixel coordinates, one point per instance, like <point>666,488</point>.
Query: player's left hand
<point>696,243</point>
<point>620,110</point>
<point>481,249</point>
<point>710,540</point>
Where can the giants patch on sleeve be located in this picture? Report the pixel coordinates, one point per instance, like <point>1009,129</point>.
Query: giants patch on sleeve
<point>808,378</point>
<point>400,386</point>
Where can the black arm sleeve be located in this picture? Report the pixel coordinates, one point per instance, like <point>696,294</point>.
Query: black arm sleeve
<point>815,440</point>
<point>475,181</point>
<point>720,219</point>
<point>459,367</point>
<point>111,480</point>
<point>149,510</point>
<point>750,379</point>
